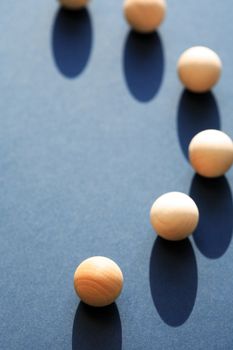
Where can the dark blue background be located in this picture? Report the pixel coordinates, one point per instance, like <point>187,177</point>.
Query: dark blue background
<point>94,126</point>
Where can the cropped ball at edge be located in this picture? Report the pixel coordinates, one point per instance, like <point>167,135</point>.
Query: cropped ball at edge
<point>73,4</point>
<point>144,16</point>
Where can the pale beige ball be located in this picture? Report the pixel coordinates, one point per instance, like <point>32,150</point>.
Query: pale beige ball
<point>199,68</point>
<point>144,16</point>
<point>211,153</point>
<point>174,216</point>
<point>98,281</point>
<point>74,4</point>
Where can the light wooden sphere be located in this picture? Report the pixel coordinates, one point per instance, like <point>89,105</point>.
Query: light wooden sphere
<point>199,68</point>
<point>174,216</point>
<point>98,281</point>
<point>211,153</point>
<point>144,16</point>
<point>74,4</point>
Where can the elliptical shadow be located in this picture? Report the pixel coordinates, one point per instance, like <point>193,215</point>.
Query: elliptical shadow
<point>97,328</point>
<point>214,200</point>
<point>173,280</point>
<point>143,65</point>
<point>71,41</point>
<point>196,112</point>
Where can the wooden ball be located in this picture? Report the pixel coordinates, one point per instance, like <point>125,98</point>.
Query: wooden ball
<point>98,281</point>
<point>199,69</point>
<point>211,153</point>
<point>74,4</point>
<point>144,16</point>
<point>174,216</point>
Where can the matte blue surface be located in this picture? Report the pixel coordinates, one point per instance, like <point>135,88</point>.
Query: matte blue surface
<point>92,130</point>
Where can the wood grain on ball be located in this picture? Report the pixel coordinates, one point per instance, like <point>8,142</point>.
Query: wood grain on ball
<point>211,153</point>
<point>199,68</point>
<point>174,216</point>
<point>144,15</point>
<point>98,281</point>
<point>74,4</point>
